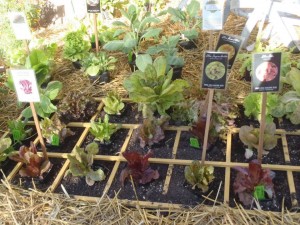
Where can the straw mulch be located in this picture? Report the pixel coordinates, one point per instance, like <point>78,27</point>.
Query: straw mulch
<point>20,206</point>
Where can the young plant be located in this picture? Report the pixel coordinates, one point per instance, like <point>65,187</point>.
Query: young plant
<point>6,150</point>
<point>199,176</point>
<point>248,178</point>
<point>95,64</point>
<point>102,131</point>
<point>250,137</point>
<point>151,87</point>
<point>76,106</point>
<point>19,125</point>
<point>45,107</point>
<point>81,162</point>
<point>113,104</point>
<point>53,127</point>
<point>138,168</point>
<point>76,46</point>
<point>34,165</point>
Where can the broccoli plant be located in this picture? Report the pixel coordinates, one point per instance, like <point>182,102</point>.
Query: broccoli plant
<point>6,149</point>
<point>199,176</point>
<point>53,127</point>
<point>34,165</point>
<point>81,162</point>
<point>248,178</point>
<point>113,103</point>
<point>103,130</point>
<point>138,168</point>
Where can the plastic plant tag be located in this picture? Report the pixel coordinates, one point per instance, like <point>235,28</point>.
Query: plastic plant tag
<point>16,135</point>
<point>194,143</point>
<point>55,140</point>
<point>259,192</point>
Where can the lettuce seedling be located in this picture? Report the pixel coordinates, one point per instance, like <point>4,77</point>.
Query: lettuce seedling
<point>34,165</point>
<point>81,162</point>
<point>138,168</point>
<point>198,175</point>
<point>6,149</point>
<point>248,178</point>
<point>19,125</point>
<point>113,103</point>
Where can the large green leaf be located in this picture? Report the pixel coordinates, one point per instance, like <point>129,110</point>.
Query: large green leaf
<point>115,45</point>
<point>93,70</point>
<point>154,32</point>
<point>160,65</point>
<point>147,20</point>
<point>46,105</point>
<point>52,89</point>
<point>142,60</point>
<point>27,113</point>
<point>193,8</point>
<point>119,23</point>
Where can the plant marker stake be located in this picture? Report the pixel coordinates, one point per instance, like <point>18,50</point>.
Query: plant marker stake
<point>262,126</point>
<point>36,121</point>
<point>96,32</point>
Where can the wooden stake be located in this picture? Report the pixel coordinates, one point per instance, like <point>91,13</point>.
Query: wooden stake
<point>96,32</point>
<point>262,126</point>
<point>37,126</point>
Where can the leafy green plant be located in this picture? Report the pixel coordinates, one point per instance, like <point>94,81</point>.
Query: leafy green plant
<point>293,78</point>
<point>168,47</point>
<point>19,125</point>
<point>185,111</point>
<point>76,106</point>
<point>113,104</point>
<point>138,168</point>
<point>189,19</point>
<point>34,165</point>
<point>95,64</point>
<point>198,175</point>
<point>76,46</point>
<point>81,162</point>
<point>6,149</point>
<point>248,178</point>
<point>153,89</point>
<point>250,136</point>
<point>45,107</point>
<point>102,131</point>
<point>53,127</point>
<point>134,30</point>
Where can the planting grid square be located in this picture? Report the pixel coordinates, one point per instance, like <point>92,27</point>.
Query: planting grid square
<point>171,164</point>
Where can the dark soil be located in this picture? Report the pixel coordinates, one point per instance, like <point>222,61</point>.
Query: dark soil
<point>297,185</point>
<point>181,192</point>
<point>294,148</point>
<point>7,166</point>
<point>68,144</point>
<point>148,192</point>
<point>287,125</point>
<point>281,189</point>
<point>163,149</point>
<point>78,185</point>
<point>42,185</point>
<point>215,152</point>
<point>275,155</point>
<point>117,141</point>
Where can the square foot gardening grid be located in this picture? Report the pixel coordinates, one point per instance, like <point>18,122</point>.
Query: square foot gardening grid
<point>167,190</point>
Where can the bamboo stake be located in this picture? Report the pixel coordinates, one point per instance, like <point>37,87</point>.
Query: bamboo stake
<point>262,126</point>
<point>96,33</point>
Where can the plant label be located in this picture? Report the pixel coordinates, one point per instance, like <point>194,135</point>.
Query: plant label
<point>25,85</point>
<point>259,192</point>
<point>93,6</point>
<point>194,143</point>
<point>266,68</point>
<point>212,14</point>
<point>214,73</point>
<point>230,44</point>
<point>55,140</point>
<point>16,135</point>
<point>19,25</point>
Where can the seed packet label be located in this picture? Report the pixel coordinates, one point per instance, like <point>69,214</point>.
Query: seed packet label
<point>19,25</point>
<point>25,85</point>
<point>16,135</point>
<point>230,44</point>
<point>55,140</point>
<point>212,14</point>
<point>194,143</point>
<point>93,6</point>
<point>259,192</point>
<point>266,68</point>
<point>214,71</point>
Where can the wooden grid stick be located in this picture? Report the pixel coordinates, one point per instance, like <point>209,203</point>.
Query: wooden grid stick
<point>227,169</point>
<point>96,32</point>
<point>171,166</point>
<point>262,127</point>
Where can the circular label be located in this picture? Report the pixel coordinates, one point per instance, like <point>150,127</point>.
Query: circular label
<point>266,71</point>
<point>215,70</point>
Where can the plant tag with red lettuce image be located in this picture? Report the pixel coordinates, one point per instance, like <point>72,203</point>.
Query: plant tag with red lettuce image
<point>25,85</point>
<point>214,72</point>
<point>93,6</point>
<point>266,72</point>
<point>259,192</point>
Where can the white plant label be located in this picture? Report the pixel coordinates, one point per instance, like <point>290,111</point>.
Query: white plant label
<point>212,14</point>
<point>19,25</point>
<point>25,85</point>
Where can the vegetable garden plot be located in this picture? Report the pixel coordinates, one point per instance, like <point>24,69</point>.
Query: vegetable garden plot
<point>171,182</point>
